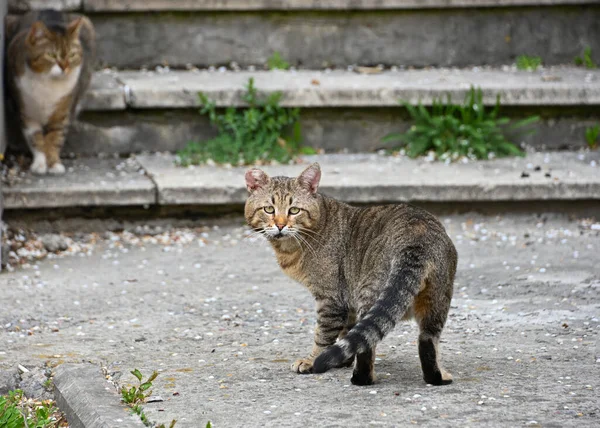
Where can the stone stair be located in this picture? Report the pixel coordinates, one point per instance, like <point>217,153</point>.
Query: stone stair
<point>129,112</point>
<point>155,181</point>
<point>159,54</point>
<point>316,33</point>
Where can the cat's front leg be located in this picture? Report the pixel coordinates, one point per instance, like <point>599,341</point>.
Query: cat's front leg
<point>35,140</point>
<point>331,320</point>
<point>55,139</point>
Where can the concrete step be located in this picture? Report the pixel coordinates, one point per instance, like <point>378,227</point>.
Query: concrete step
<point>130,112</point>
<point>247,5</point>
<point>317,34</point>
<point>154,180</point>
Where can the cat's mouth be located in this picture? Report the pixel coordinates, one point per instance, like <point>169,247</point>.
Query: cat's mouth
<point>278,236</point>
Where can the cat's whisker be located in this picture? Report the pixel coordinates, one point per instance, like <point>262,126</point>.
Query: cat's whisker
<point>300,239</point>
<point>314,238</point>
<point>255,234</point>
<point>310,233</point>
<point>307,230</point>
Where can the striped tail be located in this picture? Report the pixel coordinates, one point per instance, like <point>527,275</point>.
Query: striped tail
<point>403,285</point>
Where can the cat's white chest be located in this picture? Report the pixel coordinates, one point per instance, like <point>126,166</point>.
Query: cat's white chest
<point>41,93</point>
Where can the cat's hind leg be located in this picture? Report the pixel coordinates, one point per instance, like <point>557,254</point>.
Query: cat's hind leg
<point>349,324</point>
<point>364,368</point>
<point>431,310</point>
<point>331,320</point>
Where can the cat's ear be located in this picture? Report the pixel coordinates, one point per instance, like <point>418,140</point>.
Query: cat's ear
<point>256,179</point>
<point>38,31</point>
<point>74,27</point>
<point>310,177</point>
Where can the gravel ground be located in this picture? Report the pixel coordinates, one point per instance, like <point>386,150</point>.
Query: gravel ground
<point>210,309</point>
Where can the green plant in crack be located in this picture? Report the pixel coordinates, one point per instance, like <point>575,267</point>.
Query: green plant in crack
<point>528,63</point>
<point>248,135</point>
<point>452,131</point>
<point>591,136</point>
<point>586,59</point>
<point>135,396</point>
<point>276,62</point>
<point>48,383</point>
<point>10,416</point>
<point>16,411</point>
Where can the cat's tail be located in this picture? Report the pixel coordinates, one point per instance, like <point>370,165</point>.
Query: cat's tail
<point>398,294</point>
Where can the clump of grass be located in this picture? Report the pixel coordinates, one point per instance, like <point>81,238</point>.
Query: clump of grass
<point>135,396</point>
<point>452,131</point>
<point>529,63</point>
<point>255,134</point>
<point>16,411</point>
<point>276,62</point>
<point>586,59</point>
<point>591,136</point>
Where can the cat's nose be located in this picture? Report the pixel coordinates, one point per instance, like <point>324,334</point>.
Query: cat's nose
<point>280,226</point>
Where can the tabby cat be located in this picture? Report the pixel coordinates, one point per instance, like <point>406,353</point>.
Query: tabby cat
<point>367,268</point>
<point>49,60</point>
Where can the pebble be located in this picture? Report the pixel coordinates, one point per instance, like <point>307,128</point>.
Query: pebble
<point>54,242</point>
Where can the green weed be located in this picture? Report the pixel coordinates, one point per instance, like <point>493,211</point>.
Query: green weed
<point>586,59</point>
<point>16,411</point>
<point>135,396</point>
<point>591,136</point>
<point>48,384</point>
<point>248,135</point>
<point>276,62</point>
<point>529,63</point>
<point>452,131</point>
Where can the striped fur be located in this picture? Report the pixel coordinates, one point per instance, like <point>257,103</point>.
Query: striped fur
<point>368,268</point>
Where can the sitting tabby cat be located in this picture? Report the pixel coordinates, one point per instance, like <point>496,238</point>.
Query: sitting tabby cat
<point>49,59</point>
<point>367,268</point>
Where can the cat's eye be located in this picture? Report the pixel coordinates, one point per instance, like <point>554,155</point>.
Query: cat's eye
<point>269,210</point>
<point>294,210</point>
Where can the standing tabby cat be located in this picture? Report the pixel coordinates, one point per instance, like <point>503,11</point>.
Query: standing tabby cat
<point>49,59</point>
<point>367,268</point>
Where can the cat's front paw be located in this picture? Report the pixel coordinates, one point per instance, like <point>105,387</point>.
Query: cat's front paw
<point>39,166</point>
<point>302,366</point>
<point>57,169</point>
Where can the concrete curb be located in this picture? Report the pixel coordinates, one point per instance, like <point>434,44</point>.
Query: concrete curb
<point>360,178</point>
<point>555,86</point>
<point>88,401</point>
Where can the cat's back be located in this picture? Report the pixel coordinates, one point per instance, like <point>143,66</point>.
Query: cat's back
<point>397,226</point>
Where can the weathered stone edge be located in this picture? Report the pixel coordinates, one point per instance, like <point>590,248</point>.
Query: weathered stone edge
<point>42,197</point>
<point>119,92</point>
<point>259,5</point>
<point>85,397</point>
<point>161,189</point>
<point>230,195</point>
<point>397,193</point>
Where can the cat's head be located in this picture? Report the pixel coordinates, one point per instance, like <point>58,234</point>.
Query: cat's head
<point>283,207</point>
<point>56,50</point>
